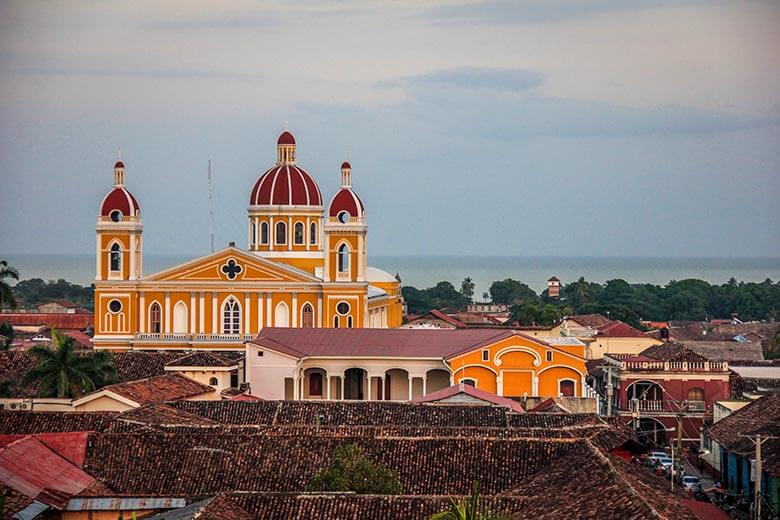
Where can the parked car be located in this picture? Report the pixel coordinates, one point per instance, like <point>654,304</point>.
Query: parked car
<point>691,483</point>
<point>665,462</point>
<point>653,456</point>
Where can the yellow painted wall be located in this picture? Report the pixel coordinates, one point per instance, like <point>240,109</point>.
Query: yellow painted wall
<point>520,359</point>
<point>103,404</point>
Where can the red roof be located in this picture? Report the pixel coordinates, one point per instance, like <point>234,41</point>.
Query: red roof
<point>119,164</point>
<point>345,165</point>
<point>428,343</point>
<point>618,329</point>
<point>346,200</point>
<point>476,393</point>
<point>285,138</point>
<point>56,320</point>
<point>245,397</point>
<point>158,389</point>
<point>119,199</point>
<point>285,185</point>
<point>440,316</point>
<point>548,406</point>
<point>70,445</point>
<point>32,468</point>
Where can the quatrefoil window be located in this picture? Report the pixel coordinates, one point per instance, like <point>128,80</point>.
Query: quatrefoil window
<point>232,269</point>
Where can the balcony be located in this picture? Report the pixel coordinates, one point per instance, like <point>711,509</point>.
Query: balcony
<point>578,332</point>
<point>648,405</point>
<point>192,338</point>
<point>632,365</point>
<point>666,406</point>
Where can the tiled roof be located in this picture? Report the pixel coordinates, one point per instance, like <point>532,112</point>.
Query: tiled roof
<point>70,445</point>
<point>726,350</point>
<point>156,389</point>
<point>429,343</point>
<point>472,391</point>
<point>618,329</point>
<point>760,416</point>
<point>219,507</point>
<point>34,470</point>
<point>17,422</point>
<point>672,352</point>
<point>439,315</point>
<point>157,415</point>
<point>202,359</point>
<point>590,320</point>
<point>199,465</point>
<point>549,406</point>
<point>55,320</point>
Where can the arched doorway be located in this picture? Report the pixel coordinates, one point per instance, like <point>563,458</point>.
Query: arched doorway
<point>355,384</point>
<point>314,383</point>
<point>396,385</point>
<point>436,379</point>
<point>651,431</point>
<point>566,388</point>
<point>307,316</point>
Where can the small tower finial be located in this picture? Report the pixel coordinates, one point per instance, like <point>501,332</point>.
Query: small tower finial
<point>119,153</point>
<point>285,126</point>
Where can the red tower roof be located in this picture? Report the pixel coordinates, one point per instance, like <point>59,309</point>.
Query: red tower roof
<point>286,138</point>
<point>285,185</point>
<point>119,164</point>
<point>345,165</point>
<point>346,200</point>
<point>119,199</point>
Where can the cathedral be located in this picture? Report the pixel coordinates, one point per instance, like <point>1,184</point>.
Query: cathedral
<point>304,266</point>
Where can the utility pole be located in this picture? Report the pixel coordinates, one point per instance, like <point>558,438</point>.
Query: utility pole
<point>678,448</point>
<point>758,440</point>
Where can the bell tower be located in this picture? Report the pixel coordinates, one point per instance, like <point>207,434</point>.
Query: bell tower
<point>345,234</point>
<point>119,243</point>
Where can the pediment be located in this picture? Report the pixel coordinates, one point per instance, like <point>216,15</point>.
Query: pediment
<point>232,265</point>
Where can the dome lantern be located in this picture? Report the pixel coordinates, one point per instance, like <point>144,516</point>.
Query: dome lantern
<point>346,175</point>
<point>119,173</point>
<point>285,149</point>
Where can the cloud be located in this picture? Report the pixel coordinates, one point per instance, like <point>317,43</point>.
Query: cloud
<point>473,77</point>
<point>501,12</point>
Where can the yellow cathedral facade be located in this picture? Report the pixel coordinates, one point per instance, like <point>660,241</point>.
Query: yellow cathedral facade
<point>304,266</point>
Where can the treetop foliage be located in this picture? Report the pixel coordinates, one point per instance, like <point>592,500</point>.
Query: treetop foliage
<point>34,291</point>
<point>351,470</point>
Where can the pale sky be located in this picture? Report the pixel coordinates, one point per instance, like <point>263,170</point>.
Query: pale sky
<point>517,127</point>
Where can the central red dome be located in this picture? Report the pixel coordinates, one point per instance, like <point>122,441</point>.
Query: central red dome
<point>285,185</point>
<point>286,138</point>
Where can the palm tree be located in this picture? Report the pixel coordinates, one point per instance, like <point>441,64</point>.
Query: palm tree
<point>466,509</point>
<point>6,294</point>
<point>62,372</point>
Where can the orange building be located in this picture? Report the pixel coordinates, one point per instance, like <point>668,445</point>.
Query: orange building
<point>305,266</point>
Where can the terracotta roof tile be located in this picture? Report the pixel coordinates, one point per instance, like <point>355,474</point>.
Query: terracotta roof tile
<point>469,390</point>
<point>202,359</point>
<point>59,321</point>
<point>158,389</point>
<point>18,422</point>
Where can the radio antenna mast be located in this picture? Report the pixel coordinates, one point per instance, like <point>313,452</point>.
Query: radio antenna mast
<point>211,210</point>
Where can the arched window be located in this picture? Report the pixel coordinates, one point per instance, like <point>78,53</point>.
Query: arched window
<point>231,317</point>
<point>307,316</point>
<point>343,261</point>
<point>281,233</point>
<point>299,233</point>
<point>281,315</point>
<point>264,233</point>
<point>335,322</point>
<point>566,388</point>
<point>469,382</point>
<point>696,394</point>
<point>180,318</point>
<point>315,384</point>
<point>154,318</point>
<point>313,233</point>
<point>213,381</point>
<point>116,257</point>
<point>349,322</point>
<point>253,237</point>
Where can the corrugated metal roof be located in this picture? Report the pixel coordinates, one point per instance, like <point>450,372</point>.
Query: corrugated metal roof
<point>124,503</point>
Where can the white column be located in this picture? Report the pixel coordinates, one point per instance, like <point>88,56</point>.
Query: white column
<point>382,388</point>
<point>327,386</point>
<point>307,234</point>
<point>259,311</point>
<point>141,312</point>
<point>500,385</point>
<point>295,386</point>
<point>214,322</point>
<point>271,233</point>
<point>290,233</point>
<point>131,274</point>
<point>319,310</point>
<point>326,248</point>
<point>268,310</point>
<point>140,256</point>
<point>368,392</point>
<point>425,390</point>
<point>341,380</point>
<point>361,271</point>
<point>535,386</point>
<point>193,326</point>
<point>167,312</point>
<point>247,315</point>
<point>202,313</point>
<point>411,380</point>
<point>294,310</point>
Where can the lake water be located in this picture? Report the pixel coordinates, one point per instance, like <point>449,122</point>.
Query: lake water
<point>424,271</point>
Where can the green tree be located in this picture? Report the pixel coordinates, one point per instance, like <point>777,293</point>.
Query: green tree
<point>512,292</point>
<point>61,371</point>
<point>351,470</point>
<point>7,298</point>
<point>467,509</point>
<point>467,288</point>
<point>7,330</point>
